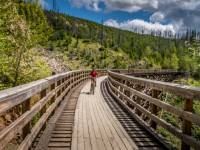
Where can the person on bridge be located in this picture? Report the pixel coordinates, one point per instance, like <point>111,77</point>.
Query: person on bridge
<point>93,75</point>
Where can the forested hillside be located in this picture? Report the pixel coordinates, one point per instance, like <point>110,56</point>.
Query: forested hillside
<point>28,32</point>
<point>148,50</point>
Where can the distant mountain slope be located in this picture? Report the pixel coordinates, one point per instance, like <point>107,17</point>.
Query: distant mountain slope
<point>151,50</point>
<point>144,51</point>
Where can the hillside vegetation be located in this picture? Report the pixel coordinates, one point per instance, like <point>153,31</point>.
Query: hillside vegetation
<point>28,33</point>
<point>150,51</point>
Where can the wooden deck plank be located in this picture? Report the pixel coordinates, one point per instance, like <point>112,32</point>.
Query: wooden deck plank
<point>105,138</point>
<point>98,137</point>
<point>95,127</point>
<point>85,123</point>
<point>87,142</point>
<point>94,122</point>
<point>91,130</point>
<point>75,131</point>
<point>117,135</point>
<point>80,128</point>
<point>106,124</point>
<point>117,125</point>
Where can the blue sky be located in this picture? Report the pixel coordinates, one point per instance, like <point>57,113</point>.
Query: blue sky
<point>65,6</point>
<point>148,15</point>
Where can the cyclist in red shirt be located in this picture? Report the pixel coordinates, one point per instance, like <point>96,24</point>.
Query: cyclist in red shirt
<point>93,75</point>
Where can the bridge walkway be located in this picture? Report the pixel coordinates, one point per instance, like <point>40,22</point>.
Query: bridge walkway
<point>95,126</point>
<point>94,122</point>
<point>57,113</point>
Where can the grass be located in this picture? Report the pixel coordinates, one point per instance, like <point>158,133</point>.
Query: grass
<point>173,140</point>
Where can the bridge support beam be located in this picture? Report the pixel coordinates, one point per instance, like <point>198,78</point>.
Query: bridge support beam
<point>187,125</point>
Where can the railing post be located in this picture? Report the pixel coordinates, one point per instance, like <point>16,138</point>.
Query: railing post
<point>52,88</point>
<point>71,80</point>
<point>63,88</point>
<point>119,87</point>
<point>187,125</point>
<point>59,91</point>
<point>42,95</point>
<point>138,101</point>
<point>25,107</point>
<point>154,108</point>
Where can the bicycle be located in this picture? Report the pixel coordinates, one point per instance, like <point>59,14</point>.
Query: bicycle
<point>93,85</point>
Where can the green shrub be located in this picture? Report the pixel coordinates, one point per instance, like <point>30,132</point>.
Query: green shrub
<point>102,49</point>
<point>86,41</point>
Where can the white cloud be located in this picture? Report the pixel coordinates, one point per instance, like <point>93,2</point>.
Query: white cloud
<point>180,12</point>
<point>157,17</point>
<point>112,23</point>
<point>89,4</point>
<point>141,26</point>
<point>130,5</point>
<point>43,3</point>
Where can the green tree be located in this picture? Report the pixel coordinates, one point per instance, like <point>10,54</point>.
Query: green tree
<point>17,62</point>
<point>19,37</point>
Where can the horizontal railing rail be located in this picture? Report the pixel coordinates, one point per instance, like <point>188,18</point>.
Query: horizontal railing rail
<point>144,70</point>
<point>166,75</point>
<point>142,97</point>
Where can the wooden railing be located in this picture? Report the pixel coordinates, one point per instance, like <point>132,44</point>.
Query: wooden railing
<point>27,108</point>
<point>32,104</point>
<point>142,98</point>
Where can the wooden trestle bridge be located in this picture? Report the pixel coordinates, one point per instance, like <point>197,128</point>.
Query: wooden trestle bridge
<point>58,113</point>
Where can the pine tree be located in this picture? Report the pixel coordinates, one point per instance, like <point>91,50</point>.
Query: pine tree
<point>102,33</point>
<point>119,38</point>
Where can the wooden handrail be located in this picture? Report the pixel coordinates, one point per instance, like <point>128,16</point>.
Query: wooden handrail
<point>124,87</point>
<point>19,94</point>
<point>177,89</point>
<point>51,91</point>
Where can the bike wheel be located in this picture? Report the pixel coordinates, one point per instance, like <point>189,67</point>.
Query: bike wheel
<point>92,88</point>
